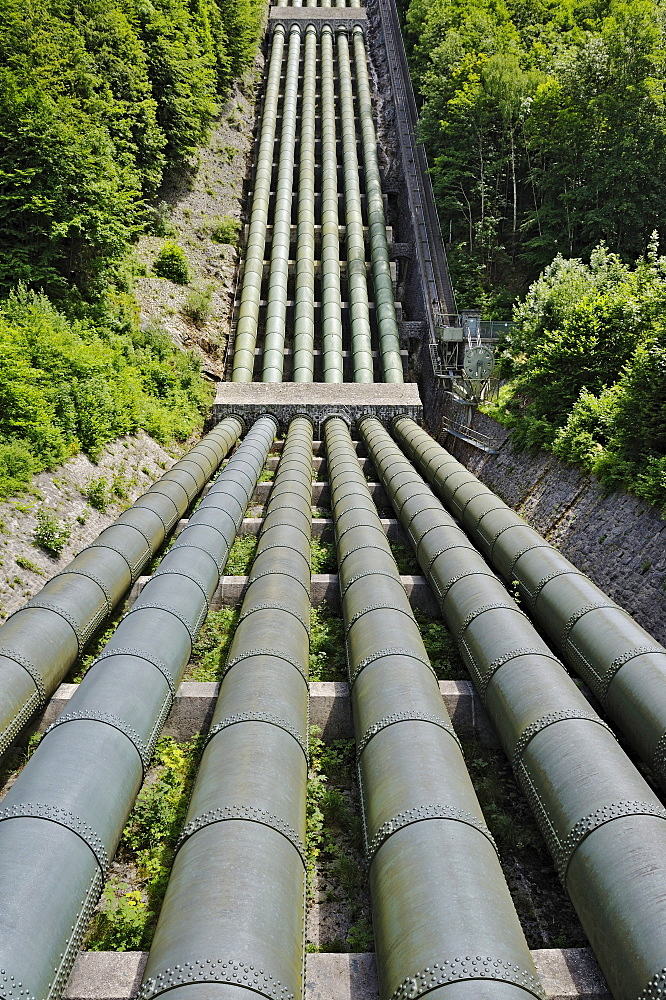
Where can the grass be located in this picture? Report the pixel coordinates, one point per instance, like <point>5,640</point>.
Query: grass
<point>29,565</point>
<point>546,915</point>
<point>212,645</point>
<point>441,648</point>
<point>241,555</point>
<point>334,842</point>
<point>324,557</point>
<point>328,661</point>
<point>405,558</point>
<point>131,901</point>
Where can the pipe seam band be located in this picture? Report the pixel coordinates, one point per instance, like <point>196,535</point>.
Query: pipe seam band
<point>382,606</point>
<point>481,610</point>
<point>390,651</point>
<point>129,524</point>
<point>370,572</point>
<point>483,492</point>
<point>64,818</point>
<point>486,677</point>
<point>279,572</point>
<point>433,506</point>
<point>550,719</point>
<point>220,561</point>
<point>82,633</point>
<point>267,717</point>
<point>265,652</point>
<point>655,988</point>
<point>500,506</point>
<point>187,576</point>
<point>271,606</point>
<point>95,579</point>
<point>282,545</point>
<point>134,567</point>
<point>426,812</point>
<point>30,669</point>
<point>251,814</point>
<point>395,717</point>
<point>357,548</point>
<point>620,661</point>
<point>493,539</point>
<point>588,824</point>
<point>532,596</point>
<point>107,719</point>
<point>521,552</point>
<point>129,651</point>
<point>215,970</point>
<point>461,576</point>
<point>580,613</point>
<point>455,970</point>
<point>445,548</point>
<point>191,629</point>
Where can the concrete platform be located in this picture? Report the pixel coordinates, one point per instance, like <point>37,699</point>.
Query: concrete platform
<point>330,709</point>
<point>566,974</point>
<point>318,400</point>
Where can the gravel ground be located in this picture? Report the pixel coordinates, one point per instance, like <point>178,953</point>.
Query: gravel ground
<point>212,191</point>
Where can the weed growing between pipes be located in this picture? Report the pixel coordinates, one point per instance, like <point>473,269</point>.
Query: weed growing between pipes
<point>441,648</point>
<point>132,896</point>
<point>328,661</point>
<point>14,760</point>
<point>324,558</point>
<point>339,916</point>
<point>545,912</point>
<point>405,559</point>
<point>212,645</point>
<point>82,664</point>
<point>241,555</point>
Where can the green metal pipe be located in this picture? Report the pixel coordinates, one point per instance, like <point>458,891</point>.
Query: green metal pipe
<point>233,915</point>
<point>389,339</point>
<point>357,282</point>
<point>330,241</point>
<point>248,313</point>
<point>276,311</point>
<point>603,824</point>
<point>61,820</point>
<point>305,254</point>
<point>431,856</point>
<point>40,641</point>
<point>623,665</point>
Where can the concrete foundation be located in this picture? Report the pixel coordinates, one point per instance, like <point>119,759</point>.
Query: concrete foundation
<point>567,974</point>
<point>317,400</point>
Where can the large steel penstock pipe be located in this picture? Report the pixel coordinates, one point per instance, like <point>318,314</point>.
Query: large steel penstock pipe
<point>443,917</point>
<point>233,915</point>
<point>603,824</point>
<point>623,665</point>
<point>61,821</point>
<point>41,641</point>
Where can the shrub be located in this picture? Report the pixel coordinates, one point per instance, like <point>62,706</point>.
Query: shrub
<point>49,533</point>
<point>171,263</point>
<point>197,304</point>
<point>226,231</point>
<point>98,494</point>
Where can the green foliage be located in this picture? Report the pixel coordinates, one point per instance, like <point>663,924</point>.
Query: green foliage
<point>225,230</point>
<point>546,131</point>
<point>71,385</point>
<point>405,559</point>
<point>128,915</point>
<point>28,564</point>
<point>171,263</point>
<point>50,533</point>
<point>241,555</point>
<point>323,556</point>
<point>212,645</point>
<point>197,304</point>
<point>328,660</point>
<point>97,100</point>
<point>98,493</point>
<point>441,648</point>
<point>587,362</point>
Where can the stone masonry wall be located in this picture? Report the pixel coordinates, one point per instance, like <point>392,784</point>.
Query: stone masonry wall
<point>616,539</point>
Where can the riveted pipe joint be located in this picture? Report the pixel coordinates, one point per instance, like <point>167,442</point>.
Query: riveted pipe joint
<point>40,641</point>
<point>604,826</point>
<point>242,925</point>
<point>61,821</point>
<point>429,849</point>
<point>623,665</point>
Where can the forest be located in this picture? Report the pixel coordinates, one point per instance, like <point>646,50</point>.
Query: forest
<point>101,101</point>
<point>545,127</point>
